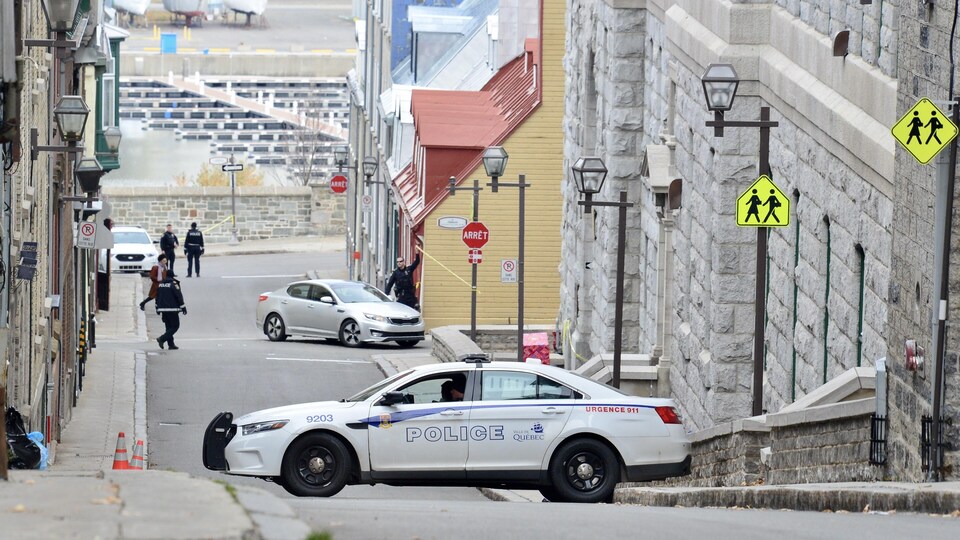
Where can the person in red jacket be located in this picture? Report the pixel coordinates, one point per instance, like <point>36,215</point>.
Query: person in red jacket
<point>157,274</point>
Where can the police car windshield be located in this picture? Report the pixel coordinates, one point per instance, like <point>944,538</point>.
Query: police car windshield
<point>352,293</point>
<point>364,394</point>
<point>131,237</point>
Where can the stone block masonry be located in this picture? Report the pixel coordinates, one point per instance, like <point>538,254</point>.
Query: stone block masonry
<point>262,212</point>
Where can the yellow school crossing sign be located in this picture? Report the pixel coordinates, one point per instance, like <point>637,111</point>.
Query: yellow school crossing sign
<point>763,205</point>
<point>924,130</point>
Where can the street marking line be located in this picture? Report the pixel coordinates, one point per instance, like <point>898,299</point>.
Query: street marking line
<point>323,51</point>
<point>329,360</point>
<point>219,50</point>
<point>270,51</point>
<point>263,276</point>
<point>177,424</point>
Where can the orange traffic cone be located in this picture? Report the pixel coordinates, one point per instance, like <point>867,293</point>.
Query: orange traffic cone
<point>120,456</point>
<point>136,462</point>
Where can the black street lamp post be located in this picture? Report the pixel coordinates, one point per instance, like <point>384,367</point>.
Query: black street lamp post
<point>589,174</point>
<point>476,189</point>
<point>369,167</point>
<point>720,83</point>
<point>495,163</point>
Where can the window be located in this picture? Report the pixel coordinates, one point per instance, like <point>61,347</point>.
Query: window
<point>299,290</point>
<point>319,291</point>
<point>516,385</point>
<point>429,389</point>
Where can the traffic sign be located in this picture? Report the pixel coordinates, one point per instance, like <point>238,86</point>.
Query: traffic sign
<point>475,256</point>
<point>338,183</point>
<point>219,160</point>
<point>86,234</point>
<point>475,235</point>
<point>366,202</point>
<point>233,167</point>
<point>763,205</point>
<point>508,271</point>
<point>924,130</point>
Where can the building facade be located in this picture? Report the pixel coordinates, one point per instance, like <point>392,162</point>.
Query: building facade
<point>849,280</point>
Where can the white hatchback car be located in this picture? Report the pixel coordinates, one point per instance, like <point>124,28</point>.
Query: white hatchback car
<point>517,426</point>
<point>132,251</point>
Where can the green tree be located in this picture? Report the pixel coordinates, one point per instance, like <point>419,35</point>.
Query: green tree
<point>212,176</point>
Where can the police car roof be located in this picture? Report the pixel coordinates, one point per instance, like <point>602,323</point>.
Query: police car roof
<point>578,382</point>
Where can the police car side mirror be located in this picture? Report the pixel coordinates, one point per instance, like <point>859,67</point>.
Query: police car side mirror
<point>391,398</point>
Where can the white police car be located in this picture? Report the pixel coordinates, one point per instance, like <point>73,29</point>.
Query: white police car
<point>518,426</point>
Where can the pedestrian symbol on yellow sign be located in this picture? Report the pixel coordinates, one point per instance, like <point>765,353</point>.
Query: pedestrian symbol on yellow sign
<point>924,130</point>
<point>763,205</point>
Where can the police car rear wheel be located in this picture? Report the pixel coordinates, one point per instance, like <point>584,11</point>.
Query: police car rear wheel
<point>550,494</point>
<point>584,470</point>
<point>274,328</point>
<point>315,465</point>
<point>350,333</point>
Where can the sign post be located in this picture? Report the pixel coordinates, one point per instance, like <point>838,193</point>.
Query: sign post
<point>233,168</point>
<point>473,274</point>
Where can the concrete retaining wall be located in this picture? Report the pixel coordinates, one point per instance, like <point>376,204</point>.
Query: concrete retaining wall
<point>262,212</point>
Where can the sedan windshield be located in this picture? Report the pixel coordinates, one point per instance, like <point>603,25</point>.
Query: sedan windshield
<point>132,237</point>
<point>351,293</point>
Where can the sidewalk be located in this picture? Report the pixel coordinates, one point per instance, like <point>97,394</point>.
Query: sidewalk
<point>81,490</point>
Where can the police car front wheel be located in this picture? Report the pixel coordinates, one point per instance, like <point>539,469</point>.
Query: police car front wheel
<point>315,465</point>
<point>584,470</point>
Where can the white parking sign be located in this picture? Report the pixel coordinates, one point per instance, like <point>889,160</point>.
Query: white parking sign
<point>86,234</point>
<point>508,271</point>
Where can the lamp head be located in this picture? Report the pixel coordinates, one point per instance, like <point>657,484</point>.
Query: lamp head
<point>113,135</point>
<point>89,172</point>
<point>370,166</point>
<point>61,13</point>
<point>589,173</point>
<point>720,83</point>
<point>340,154</point>
<point>71,116</point>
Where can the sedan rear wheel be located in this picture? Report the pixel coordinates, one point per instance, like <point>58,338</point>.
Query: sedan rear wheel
<point>315,465</point>
<point>274,328</point>
<point>584,470</point>
<point>350,333</point>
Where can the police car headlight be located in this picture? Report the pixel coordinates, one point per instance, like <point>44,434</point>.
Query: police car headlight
<point>374,317</point>
<point>250,429</point>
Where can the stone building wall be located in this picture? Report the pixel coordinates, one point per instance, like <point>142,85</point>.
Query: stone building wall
<point>829,153</point>
<point>261,212</point>
<point>924,72</point>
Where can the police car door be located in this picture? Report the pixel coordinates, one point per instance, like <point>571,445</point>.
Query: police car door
<point>523,413</point>
<point>423,434</point>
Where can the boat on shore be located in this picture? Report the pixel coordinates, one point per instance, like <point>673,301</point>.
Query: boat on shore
<point>133,7</point>
<point>190,8</point>
<point>247,7</point>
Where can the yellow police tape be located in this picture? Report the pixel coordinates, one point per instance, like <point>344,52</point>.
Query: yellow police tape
<point>219,223</point>
<point>452,273</point>
<point>567,337</point>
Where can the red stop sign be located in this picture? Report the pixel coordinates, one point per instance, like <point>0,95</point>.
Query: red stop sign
<point>338,183</point>
<point>475,235</point>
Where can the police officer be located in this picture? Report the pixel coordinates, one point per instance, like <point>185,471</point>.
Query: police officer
<point>401,280</point>
<point>169,245</point>
<point>193,248</point>
<point>170,305</point>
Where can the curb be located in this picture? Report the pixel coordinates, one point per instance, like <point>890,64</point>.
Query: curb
<point>801,498</point>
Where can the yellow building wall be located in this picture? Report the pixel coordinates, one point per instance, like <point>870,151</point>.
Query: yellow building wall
<point>536,151</point>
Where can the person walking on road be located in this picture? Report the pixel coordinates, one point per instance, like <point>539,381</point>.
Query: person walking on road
<point>169,245</point>
<point>193,249</point>
<point>401,281</point>
<point>170,305</point>
<point>157,274</point>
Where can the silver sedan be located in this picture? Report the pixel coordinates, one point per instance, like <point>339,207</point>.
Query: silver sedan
<point>351,311</point>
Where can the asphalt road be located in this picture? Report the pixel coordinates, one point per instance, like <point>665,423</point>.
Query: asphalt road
<point>225,363</point>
